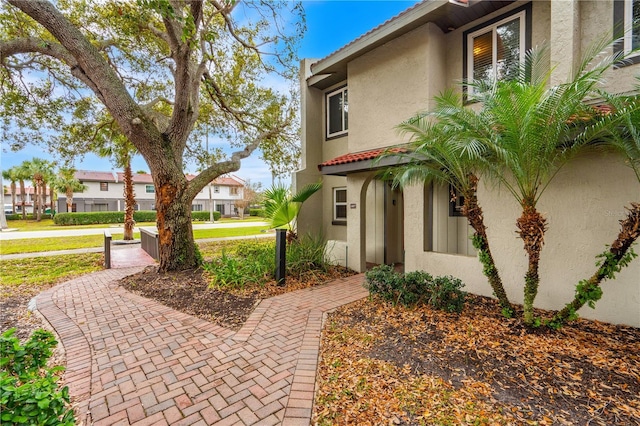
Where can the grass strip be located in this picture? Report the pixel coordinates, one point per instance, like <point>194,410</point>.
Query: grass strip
<point>39,273</point>
<point>34,245</point>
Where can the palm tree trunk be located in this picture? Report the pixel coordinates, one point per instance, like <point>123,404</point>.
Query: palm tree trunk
<point>22,200</point>
<point>531,228</point>
<point>129,202</point>
<point>51,196</point>
<point>629,233</point>
<point>69,193</point>
<point>13,197</point>
<point>472,210</point>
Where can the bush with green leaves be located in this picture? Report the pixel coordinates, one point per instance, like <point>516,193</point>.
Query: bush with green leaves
<point>18,216</point>
<point>250,262</point>
<point>254,262</point>
<point>445,293</point>
<point>415,288</point>
<point>256,212</point>
<point>204,216</point>
<point>29,390</point>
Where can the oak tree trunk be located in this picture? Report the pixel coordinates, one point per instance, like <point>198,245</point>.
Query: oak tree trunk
<point>175,234</point>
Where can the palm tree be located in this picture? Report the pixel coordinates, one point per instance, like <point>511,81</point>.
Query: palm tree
<point>11,175</point>
<point>627,142</point>
<point>532,130</point>
<point>282,208</point>
<point>23,173</point>
<point>121,150</point>
<point>66,182</point>
<point>441,153</point>
<point>41,171</point>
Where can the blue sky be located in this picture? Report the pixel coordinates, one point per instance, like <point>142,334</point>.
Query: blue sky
<point>331,24</point>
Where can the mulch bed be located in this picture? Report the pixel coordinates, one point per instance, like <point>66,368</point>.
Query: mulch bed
<point>393,365</point>
<point>189,292</point>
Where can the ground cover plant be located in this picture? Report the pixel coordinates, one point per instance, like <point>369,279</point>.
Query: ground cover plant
<point>421,366</point>
<point>29,389</point>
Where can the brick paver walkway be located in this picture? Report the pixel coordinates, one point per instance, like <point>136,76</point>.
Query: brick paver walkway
<point>131,360</point>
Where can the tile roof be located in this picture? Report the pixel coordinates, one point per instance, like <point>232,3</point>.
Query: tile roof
<point>93,176</point>
<point>359,156</point>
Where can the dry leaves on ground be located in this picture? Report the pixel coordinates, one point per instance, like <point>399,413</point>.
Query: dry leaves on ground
<point>392,365</point>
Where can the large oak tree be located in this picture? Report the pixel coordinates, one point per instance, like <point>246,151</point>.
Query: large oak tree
<point>164,70</point>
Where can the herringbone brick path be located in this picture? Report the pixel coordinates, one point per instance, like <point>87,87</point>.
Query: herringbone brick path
<point>131,360</point>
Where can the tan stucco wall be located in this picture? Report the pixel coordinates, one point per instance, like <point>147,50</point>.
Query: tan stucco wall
<point>583,206</point>
<point>391,84</point>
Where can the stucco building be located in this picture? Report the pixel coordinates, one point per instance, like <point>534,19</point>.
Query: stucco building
<point>353,100</point>
<point>105,192</point>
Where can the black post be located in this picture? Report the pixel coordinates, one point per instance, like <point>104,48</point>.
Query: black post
<point>281,255</point>
<point>107,249</point>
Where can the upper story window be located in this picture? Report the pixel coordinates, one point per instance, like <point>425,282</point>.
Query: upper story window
<point>626,18</point>
<point>233,190</point>
<point>149,189</point>
<point>337,113</point>
<point>495,50</point>
<point>216,189</point>
<point>339,205</point>
<point>104,186</point>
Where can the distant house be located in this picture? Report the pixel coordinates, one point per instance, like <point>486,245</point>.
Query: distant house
<point>105,192</point>
<point>28,200</point>
<point>353,99</point>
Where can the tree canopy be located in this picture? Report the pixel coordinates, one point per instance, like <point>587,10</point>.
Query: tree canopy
<point>162,72</point>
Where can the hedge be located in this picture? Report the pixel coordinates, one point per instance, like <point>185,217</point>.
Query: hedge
<point>256,212</point>
<point>204,216</point>
<point>30,216</point>
<point>92,218</point>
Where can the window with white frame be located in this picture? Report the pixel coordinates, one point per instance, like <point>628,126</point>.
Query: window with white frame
<point>216,189</point>
<point>196,207</point>
<point>150,189</point>
<point>104,186</point>
<point>495,51</point>
<point>337,113</point>
<point>233,190</point>
<point>631,25</point>
<point>340,205</point>
<point>626,24</point>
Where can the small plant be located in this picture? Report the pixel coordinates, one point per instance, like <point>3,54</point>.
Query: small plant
<point>306,254</point>
<point>383,281</point>
<point>415,288</point>
<point>29,391</point>
<point>446,294</point>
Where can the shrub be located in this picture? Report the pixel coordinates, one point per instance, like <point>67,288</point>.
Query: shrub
<point>414,288</point>
<point>29,391</point>
<point>446,294</point>
<point>256,212</point>
<point>92,218</point>
<point>30,216</point>
<point>306,254</point>
<point>252,263</point>
<point>204,216</point>
<point>383,281</point>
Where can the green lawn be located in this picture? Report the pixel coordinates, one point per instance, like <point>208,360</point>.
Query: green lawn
<point>30,276</point>
<point>33,245</point>
<point>48,225</point>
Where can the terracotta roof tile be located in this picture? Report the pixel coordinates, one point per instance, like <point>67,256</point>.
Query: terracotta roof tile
<point>359,156</point>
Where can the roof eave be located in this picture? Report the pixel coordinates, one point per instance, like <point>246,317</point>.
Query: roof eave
<point>381,35</point>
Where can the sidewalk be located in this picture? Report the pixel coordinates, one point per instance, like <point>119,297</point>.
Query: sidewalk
<point>131,360</point>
